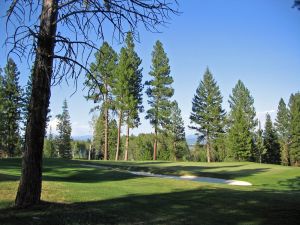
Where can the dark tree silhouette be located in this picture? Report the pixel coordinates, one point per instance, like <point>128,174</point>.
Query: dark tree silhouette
<point>64,53</point>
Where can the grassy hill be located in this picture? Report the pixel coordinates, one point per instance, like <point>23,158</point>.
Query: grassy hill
<point>75,194</point>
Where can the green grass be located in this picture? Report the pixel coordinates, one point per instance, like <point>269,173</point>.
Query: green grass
<point>73,194</point>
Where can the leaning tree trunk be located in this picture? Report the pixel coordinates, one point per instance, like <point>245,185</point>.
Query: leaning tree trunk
<point>127,144</point>
<point>155,145</point>
<point>29,191</point>
<point>119,135</point>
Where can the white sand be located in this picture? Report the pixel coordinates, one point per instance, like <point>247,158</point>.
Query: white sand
<point>186,177</point>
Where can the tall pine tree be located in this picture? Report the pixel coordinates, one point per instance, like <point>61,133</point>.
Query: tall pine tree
<point>12,107</point>
<point>207,115</point>
<point>159,92</point>
<point>271,143</point>
<point>128,90</point>
<point>294,105</point>
<point>100,83</point>
<point>64,133</point>
<point>242,123</point>
<point>282,125</point>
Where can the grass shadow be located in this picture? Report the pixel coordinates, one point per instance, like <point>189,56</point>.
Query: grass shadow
<point>199,206</point>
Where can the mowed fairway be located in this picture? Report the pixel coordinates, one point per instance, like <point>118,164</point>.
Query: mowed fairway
<point>75,194</point>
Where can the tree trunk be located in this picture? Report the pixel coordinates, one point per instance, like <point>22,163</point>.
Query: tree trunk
<point>208,155</point>
<point>127,144</point>
<point>106,128</point>
<point>119,135</point>
<point>287,155</point>
<point>90,150</point>
<point>30,187</point>
<point>155,145</point>
<point>174,146</point>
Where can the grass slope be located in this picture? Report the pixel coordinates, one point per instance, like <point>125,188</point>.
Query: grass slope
<point>74,194</point>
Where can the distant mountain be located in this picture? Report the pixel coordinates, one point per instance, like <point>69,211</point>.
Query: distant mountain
<point>82,138</point>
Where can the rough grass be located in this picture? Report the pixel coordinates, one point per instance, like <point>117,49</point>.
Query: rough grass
<point>73,194</point>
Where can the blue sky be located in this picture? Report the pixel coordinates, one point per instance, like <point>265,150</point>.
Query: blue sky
<point>255,41</point>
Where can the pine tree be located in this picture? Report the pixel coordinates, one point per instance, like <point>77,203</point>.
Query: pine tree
<point>271,143</point>
<point>207,114</point>
<point>64,133</point>
<point>242,123</point>
<point>176,131</point>
<point>100,83</point>
<point>12,107</point>
<point>133,98</point>
<point>260,148</point>
<point>294,105</point>
<point>128,90</point>
<point>159,92</point>
<point>282,124</point>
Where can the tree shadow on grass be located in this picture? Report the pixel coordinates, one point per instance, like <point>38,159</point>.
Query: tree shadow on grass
<point>88,176</point>
<point>8,177</point>
<point>292,184</point>
<point>199,206</point>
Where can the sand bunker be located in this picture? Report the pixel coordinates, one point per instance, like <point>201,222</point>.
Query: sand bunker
<point>186,177</point>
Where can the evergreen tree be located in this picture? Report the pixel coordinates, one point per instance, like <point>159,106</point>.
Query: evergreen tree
<point>271,143</point>
<point>260,148</point>
<point>294,105</point>
<point>177,132</point>
<point>159,92</point>
<point>242,123</point>
<point>100,83</point>
<point>12,107</point>
<point>133,98</point>
<point>207,114</point>
<point>128,90</point>
<point>282,124</point>
<point>64,133</point>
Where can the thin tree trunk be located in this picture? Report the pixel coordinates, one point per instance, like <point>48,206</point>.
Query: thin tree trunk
<point>127,144</point>
<point>287,154</point>
<point>155,144</point>
<point>208,152</point>
<point>106,128</point>
<point>174,146</point>
<point>90,150</point>
<point>119,135</point>
<point>30,187</point>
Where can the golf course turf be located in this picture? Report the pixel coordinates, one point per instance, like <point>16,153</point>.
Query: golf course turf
<point>75,194</point>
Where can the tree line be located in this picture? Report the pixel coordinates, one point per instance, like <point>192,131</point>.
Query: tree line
<point>237,135</point>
